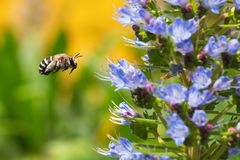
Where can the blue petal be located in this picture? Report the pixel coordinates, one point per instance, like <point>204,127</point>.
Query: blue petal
<point>159,92</point>
<point>237,3</point>
<point>233,46</point>
<point>177,130</point>
<point>185,47</point>
<point>223,83</point>
<point>233,152</point>
<point>157,26</point>
<point>195,97</point>
<point>175,94</point>
<point>180,3</point>
<point>201,78</point>
<point>214,5</point>
<point>126,144</point>
<point>214,48</point>
<point>238,127</point>
<point>126,76</point>
<point>199,118</point>
<point>209,97</point>
<point>132,14</point>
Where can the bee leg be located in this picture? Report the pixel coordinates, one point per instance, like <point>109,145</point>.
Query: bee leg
<point>64,69</point>
<point>71,70</point>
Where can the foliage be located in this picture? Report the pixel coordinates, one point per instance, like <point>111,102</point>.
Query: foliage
<point>186,94</point>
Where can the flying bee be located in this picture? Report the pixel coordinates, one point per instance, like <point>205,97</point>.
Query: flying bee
<point>58,62</point>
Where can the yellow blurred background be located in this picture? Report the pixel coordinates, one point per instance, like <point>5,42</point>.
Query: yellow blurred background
<point>59,116</point>
<point>86,23</point>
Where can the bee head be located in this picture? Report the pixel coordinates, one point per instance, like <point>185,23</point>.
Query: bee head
<point>73,61</point>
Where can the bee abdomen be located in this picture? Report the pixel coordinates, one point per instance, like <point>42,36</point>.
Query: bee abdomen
<point>44,64</point>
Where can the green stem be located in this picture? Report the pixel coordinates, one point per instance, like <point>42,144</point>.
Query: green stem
<point>143,120</point>
<point>227,113</point>
<point>171,50</point>
<point>220,19</point>
<point>162,120</point>
<point>209,151</point>
<point>222,31</point>
<point>171,149</point>
<point>196,147</point>
<point>158,111</point>
<point>218,152</point>
<point>184,79</point>
<point>220,114</point>
<point>216,72</point>
<point>172,11</point>
<point>229,25</point>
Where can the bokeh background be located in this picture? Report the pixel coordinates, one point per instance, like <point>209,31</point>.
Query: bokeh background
<point>60,116</point>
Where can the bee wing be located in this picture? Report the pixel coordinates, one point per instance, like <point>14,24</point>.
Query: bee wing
<point>51,67</point>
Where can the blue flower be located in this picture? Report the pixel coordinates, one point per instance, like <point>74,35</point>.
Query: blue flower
<point>214,48</point>
<point>181,32</point>
<point>122,113</point>
<point>233,153</point>
<point>194,97</point>
<point>233,46</point>
<point>137,43</point>
<point>138,2</point>
<point>126,76</point>
<point>222,83</point>
<point>184,47</point>
<point>181,3</point>
<point>146,59</point>
<point>175,69</point>
<point>159,92</point>
<point>152,157</point>
<point>209,97</point>
<point>177,130</point>
<point>238,127</point>
<point>237,3</point>
<point>214,5</point>
<point>237,90</point>
<point>199,118</point>
<point>173,93</point>
<point>164,158</point>
<point>157,26</point>
<point>130,14</point>
<point>122,149</point>
<point>201,78</point>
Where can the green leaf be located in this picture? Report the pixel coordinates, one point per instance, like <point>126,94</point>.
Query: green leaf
<point>139,130</point>
<point>236,100</point>
<point>231,72</point>
<point>157,57</point>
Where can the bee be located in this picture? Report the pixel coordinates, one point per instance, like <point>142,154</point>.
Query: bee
<point>58,62</point>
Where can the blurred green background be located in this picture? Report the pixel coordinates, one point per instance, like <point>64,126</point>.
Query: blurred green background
<point>59,116</point>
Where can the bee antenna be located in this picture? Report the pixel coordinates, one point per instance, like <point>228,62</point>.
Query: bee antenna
<point>77,55</point>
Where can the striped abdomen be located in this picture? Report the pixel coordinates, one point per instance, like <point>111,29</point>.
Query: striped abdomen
<point>45,66</point>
